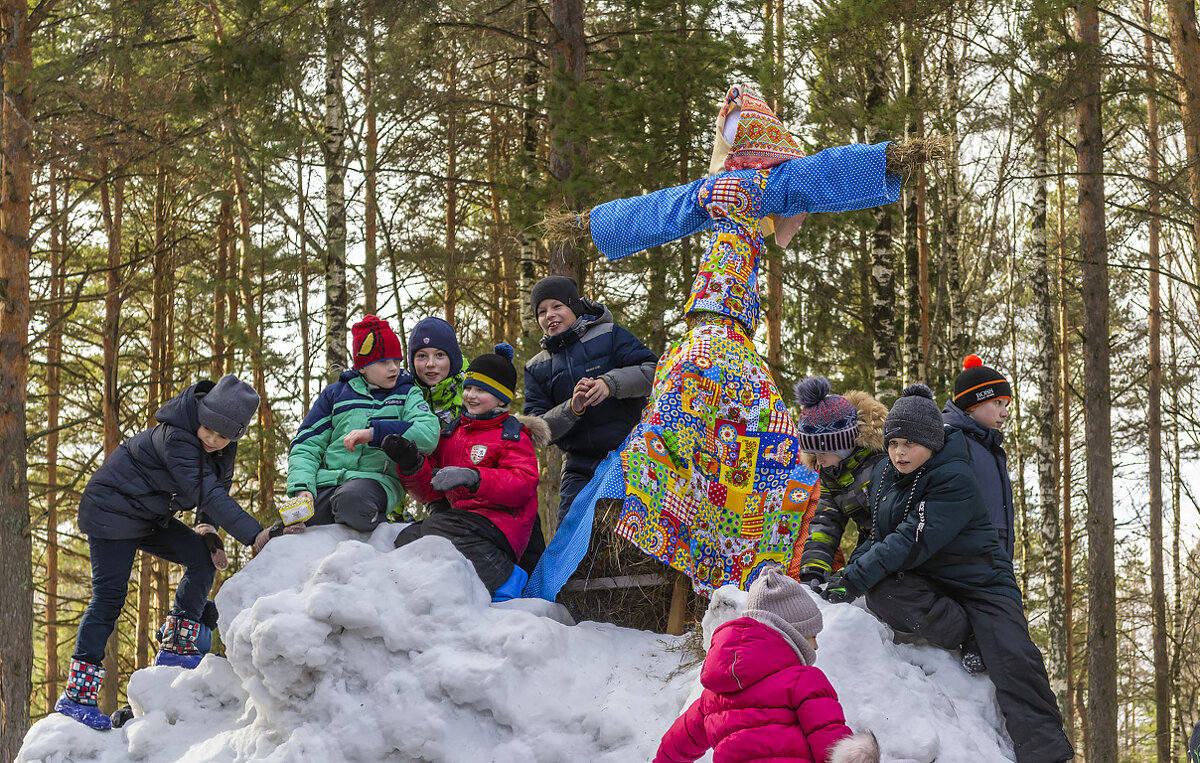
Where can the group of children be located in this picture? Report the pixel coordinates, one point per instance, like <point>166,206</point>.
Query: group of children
<point>928,492</point>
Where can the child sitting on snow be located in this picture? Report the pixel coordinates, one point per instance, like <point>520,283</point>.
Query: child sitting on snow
<point>484,467</point>
<point>763,699</point>
<point>129,504</point>
<point>842,438</point>
<point>336,456</point>
<point>934,570</point>
<point>436,363</point>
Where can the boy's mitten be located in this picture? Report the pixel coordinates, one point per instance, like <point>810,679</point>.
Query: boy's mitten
<point>813,576</point>
<point>840,590</point>
<point>274,531</point>
<point>450,477</point>
<point>404,452</point>
<point>214,544</point>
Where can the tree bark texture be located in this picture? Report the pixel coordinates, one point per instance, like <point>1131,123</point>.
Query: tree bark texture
<point>1101,744</point>
<point>336,295</point>
<point>1185,48</point>
<point>568,149</point>
<point>16,187</point>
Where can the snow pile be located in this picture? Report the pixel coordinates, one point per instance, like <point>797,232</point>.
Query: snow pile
<point>341,648</point>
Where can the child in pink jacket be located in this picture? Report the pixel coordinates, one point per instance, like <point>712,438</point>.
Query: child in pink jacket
<point>763,700</point>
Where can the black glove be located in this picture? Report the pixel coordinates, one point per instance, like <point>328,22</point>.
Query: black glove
<point>214,544</point>
<point>450,477</point>
<point>813,576</point>
<point>839,590</point>
<point>404,452</point>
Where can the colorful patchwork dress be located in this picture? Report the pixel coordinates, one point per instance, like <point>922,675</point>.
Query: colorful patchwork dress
<point>709,480</point>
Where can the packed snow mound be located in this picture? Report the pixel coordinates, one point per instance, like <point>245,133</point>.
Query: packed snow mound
<point>341,648</point>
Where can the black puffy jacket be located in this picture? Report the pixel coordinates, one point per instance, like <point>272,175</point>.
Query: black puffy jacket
<point>933,522</point>
<point>161,471</point>
<point>594,347</point>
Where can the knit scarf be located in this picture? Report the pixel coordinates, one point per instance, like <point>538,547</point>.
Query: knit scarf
<point>446,395</point>
<point>842,475</point>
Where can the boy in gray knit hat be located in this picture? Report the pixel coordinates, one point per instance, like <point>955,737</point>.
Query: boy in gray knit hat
<point>934,571</point>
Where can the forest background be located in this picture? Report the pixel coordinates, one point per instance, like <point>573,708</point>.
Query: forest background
<point>198,187</point>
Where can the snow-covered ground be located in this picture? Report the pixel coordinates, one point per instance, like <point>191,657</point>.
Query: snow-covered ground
<point>341,648</point>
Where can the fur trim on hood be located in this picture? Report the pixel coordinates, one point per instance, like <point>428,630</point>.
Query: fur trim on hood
<point>860,748</point>
<point>539,430</point>
<point>871,415</point>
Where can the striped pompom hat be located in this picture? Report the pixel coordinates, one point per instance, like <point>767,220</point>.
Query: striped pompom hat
<point>494,372</point>
<point>828,422</point>
<point>978,384</point>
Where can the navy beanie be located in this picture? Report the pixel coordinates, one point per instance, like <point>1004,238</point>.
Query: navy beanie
<point>437,333</point>
<point>494,372</point>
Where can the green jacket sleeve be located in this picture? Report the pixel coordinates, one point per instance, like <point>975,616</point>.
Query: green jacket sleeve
<point>308,449</point>
<point>426,427</point>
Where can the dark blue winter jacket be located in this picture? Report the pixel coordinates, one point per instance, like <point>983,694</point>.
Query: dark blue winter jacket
<point>595,347</point>
<point>989,462</point>
<point>161,471</point>
<point>932,522</point>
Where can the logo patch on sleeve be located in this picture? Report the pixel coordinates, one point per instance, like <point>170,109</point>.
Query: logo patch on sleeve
<point>478,452</point>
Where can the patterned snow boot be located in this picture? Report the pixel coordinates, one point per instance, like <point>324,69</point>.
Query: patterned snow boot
<point>78,700</point>
<point>179,647</point>
<point>972,659</point>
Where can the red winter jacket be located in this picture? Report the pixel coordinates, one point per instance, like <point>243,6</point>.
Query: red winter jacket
<point>508,475</point>
<point>760,703</point>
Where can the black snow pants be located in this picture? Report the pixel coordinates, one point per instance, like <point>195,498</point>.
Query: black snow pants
<point>947,617</point>
<point>475,538</point>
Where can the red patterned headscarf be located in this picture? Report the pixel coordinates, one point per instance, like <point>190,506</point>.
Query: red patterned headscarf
<point>760,142</point>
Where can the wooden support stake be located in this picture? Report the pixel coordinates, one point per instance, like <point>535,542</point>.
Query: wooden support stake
<point>678,605</point>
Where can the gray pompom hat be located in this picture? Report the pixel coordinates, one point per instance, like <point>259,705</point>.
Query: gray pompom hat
<point>785,605</point>
<point>228,407</point>
<point>915,417</point>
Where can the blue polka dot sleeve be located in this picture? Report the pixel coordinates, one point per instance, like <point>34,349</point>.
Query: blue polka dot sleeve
<point>625,226</point>
<point>838,179</point>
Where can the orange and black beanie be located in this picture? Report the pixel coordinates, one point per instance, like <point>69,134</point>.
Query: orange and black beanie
<point>978,384</point>
<point>374,341</point>
<point>494,372</point>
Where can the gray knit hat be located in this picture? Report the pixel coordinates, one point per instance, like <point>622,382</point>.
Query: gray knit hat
<point>785,605</point>
<point>915,417</point>
<point>228,407</point>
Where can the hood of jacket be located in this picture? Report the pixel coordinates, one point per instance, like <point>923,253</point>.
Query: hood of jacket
<point>181,411</point>
<point>596,315</point>
<point>746,652</point>
<point>871,415</point>
<point>956,417</point>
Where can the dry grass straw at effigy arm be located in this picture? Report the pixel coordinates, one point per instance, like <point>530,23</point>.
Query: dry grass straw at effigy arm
<point>566,226</point>
<point>904,158</point>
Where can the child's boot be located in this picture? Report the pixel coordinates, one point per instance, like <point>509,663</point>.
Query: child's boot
<point>78,700</point>
<point>972,658</point>
<point>179,647</point>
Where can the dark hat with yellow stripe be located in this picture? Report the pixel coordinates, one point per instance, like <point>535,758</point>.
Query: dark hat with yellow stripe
<point>494,372</point>
<point>978,384</point>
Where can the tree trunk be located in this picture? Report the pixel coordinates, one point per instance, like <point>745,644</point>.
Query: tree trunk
<point>371,211</point>
<point>1158,598</point>
<point>113,208</point>
<point>568,149</point>
<point>1185,47</point>
<point>336,296</point>
<point>1068,547</point>
<point>1065,395</point>
<point>883,271</point>
<point>1046,371</point>
<point>1093,254</point>
<point>527,258</point>
<point>218,365</point>
<point>246,278</point>
<point>915,309</point>
<point>1182,710</point>
<point>451,124</point>
<point>305,342</point>
<point>956,324</point>
<point>16,573</point>
<point>54,342</point>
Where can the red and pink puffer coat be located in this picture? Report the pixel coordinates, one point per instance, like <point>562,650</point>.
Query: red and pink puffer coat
<point>760,703</point>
